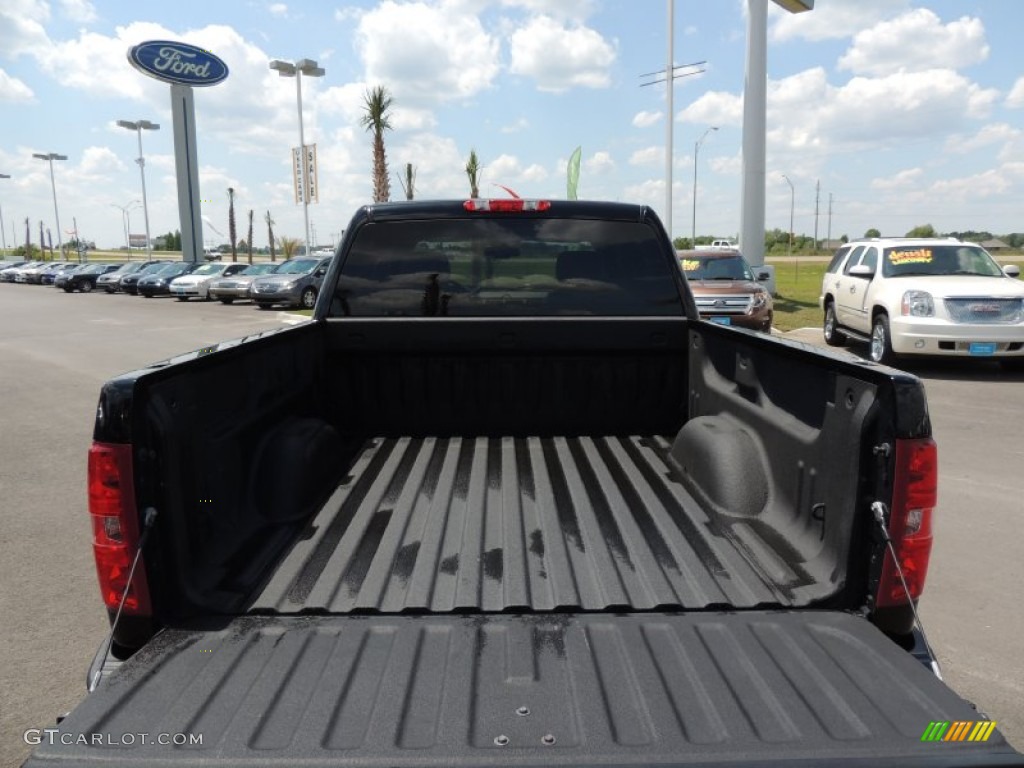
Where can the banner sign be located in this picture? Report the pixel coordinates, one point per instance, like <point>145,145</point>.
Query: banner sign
<point>304,175</point>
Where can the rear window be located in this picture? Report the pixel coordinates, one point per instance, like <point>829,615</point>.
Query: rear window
<point>506,267</point>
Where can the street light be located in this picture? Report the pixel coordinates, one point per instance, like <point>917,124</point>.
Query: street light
<point>696,150</point>
<point>309,68</point>
<point>51,156</point>
<point>792,200</point>
<point>3,235</point>
<point>139,126</point>
<point>126,222</point>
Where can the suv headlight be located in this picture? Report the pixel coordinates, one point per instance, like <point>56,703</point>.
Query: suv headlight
<point>759,300</point>
<point>918,304</point>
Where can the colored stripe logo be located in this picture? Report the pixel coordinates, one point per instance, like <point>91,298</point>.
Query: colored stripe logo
<point>959,730</point>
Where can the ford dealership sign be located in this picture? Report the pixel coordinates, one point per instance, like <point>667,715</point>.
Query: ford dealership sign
<point>178,63</point>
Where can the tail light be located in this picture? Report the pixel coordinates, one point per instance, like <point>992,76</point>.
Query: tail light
<point>914,495</point>
<point>115,528</point>
<point>516,205</point>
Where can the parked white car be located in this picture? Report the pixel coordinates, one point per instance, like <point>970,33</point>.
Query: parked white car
<point>928,296</point>
<point>197,283</point>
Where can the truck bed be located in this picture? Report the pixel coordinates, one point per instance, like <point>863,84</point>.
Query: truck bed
<point>538,524</point>
<point>743,689</point>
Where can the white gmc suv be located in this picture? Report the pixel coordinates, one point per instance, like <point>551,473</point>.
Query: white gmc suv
<point>924,296</point>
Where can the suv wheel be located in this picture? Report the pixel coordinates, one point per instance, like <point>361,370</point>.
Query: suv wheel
<point>833,336</point>
<point>308,298</point>
<point>86,286</point>
<point>881,346</point>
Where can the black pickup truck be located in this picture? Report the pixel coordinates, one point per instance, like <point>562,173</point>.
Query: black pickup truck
<point>506,500</point>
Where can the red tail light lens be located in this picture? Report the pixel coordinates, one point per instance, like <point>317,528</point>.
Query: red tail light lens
<point>115,530</point>
<point>506,206</point>
<point>915,490</point>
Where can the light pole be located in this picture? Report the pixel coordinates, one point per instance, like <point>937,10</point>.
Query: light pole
<point>309,68</point>
<point>755,101</point>
<point>696,151</point>
<point>792,201</point>
<point>50,157</point>
<point>126,222</point>
<point>139,126</point>
<point>3,235</point>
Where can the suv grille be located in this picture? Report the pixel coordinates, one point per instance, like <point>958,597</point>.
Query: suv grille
<point>723,305</point>
<point>985,310</point>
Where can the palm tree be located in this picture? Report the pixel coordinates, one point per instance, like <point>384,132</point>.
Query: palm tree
<point>270,235</point>
<point>289,245</point>
<point>232,234</point>
<point>249,242</point>
<point>377,102</point>
<point>473,169</point>
<point>409,181</point>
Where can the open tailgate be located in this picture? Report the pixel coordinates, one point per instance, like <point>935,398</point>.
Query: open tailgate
<point>752,688</point>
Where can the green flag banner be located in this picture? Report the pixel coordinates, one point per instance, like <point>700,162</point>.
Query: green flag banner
<point>573,173</point>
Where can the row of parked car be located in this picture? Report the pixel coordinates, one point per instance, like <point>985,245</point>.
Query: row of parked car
<point>294,283</point>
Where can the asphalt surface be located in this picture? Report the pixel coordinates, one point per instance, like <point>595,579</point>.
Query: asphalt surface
<point>56,350</point>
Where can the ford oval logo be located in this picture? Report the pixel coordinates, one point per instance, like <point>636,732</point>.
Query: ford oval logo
<point>175,62</point>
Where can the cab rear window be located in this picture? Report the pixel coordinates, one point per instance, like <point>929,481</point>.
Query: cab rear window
<point>507,267</point>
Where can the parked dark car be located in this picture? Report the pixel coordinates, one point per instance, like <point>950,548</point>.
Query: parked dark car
<point>61,278</point>
<point>295,283</point>
<point>111,281</point>
<point>84,280</point>
<point>49,276</point>
<point>159,283</point>
<point>130,282</point>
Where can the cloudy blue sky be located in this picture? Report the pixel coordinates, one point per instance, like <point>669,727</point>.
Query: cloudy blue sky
<point>907,111</point>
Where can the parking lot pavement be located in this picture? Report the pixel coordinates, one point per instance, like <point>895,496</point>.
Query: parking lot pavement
<point>57,349</point>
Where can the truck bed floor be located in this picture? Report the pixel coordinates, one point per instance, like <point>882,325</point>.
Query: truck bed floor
<point>756,688</point>
<point>445,525</point>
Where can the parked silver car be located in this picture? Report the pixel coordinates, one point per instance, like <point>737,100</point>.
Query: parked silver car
<point>295,283</point>
<point>228,289</point>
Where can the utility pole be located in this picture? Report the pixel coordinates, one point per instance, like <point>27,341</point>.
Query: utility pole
<point>817,200</point>
<point>829,219</point>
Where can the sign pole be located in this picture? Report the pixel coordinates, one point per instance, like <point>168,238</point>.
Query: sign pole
<point>183,116</point>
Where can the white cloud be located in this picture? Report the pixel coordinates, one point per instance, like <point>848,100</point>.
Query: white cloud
<point>906,179</point>
<point>833,20</point>
<point>646,119</point>
<point>648,156</point>
<point>13,90</point>
<point>598,163</point>
<point>916,41</point>
<point>79,11</point>
<point>994,133</point>
<point>519,125</point>
<point>426,54</point>
<point>726,165</point>
<point>714,108</point>
<point>98,162</point>
<point>1015,99</point>
<point>278,9</point>
<point>559,57</point>
<point>563,9</point>
<point>21,26</point>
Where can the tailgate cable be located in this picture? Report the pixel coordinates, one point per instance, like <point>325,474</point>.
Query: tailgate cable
<point>96,670</point>
<point>881,514</point>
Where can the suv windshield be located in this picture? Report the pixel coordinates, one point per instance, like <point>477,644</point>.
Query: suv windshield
<point>935,259</point>
<point>698,266</point>
<point>507,267</point>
